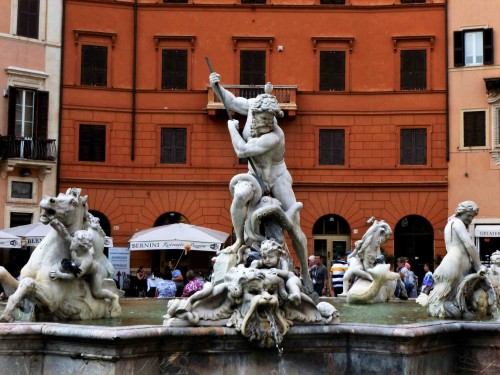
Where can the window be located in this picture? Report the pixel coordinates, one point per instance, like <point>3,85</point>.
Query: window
<point>474,128</point>
<point>413,70</point>
<point>94,65</point>
<point>413,147</point>
<point>332,71</point>
<point>176,1</point>
<point>473,47</point>
<point>21,190</point>
<point>252,67</point>
<point>28,113</point>
<point>174,69</point>
<point>20,218</point>
<point>92,143</point>
<point>27,18</point>
<point>331,146</point>
<point>253,1</point>
<point>412,1</point>
<point>332,1</point>
<point>173,146</point>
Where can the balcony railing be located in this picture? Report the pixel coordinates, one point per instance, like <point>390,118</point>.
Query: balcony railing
<point>286,95</point>
<point>27,148</point>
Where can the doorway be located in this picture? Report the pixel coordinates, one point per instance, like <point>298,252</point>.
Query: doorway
<point>331,238</point>
<point>414,239</point>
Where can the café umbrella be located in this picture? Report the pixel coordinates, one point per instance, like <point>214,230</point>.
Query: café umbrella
<point>9,241</point>
<point>33,234</point>
<point>175,236</point>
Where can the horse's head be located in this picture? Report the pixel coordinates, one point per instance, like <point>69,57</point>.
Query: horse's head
<point>69,208</point>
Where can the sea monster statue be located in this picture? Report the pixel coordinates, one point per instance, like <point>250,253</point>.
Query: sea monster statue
<point>67,277</point>
<point>368,279</point>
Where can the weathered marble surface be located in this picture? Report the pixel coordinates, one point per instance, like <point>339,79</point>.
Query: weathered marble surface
<point>372,280</point>
<point>67,276</point>
<point>457,293</point>
<point>437,348</point>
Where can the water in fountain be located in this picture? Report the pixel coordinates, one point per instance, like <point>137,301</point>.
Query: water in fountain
<point>277,339</point>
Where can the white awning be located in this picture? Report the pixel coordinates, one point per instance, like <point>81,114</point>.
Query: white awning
<point>174,236</point>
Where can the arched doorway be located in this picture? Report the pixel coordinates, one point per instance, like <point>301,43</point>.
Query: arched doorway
<point>414,239</point>
<point>331,237</point>
<point>105,225</point>
<point>170,218</point>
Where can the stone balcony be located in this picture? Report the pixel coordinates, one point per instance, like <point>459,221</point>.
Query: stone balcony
<point>286,95</point>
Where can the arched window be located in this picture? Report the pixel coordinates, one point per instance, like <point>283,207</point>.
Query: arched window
<point>171,218</point>
<point>103,220</point>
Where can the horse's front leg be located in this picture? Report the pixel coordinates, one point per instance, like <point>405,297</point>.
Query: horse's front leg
<point>25,289</point>
<point>8,282</point>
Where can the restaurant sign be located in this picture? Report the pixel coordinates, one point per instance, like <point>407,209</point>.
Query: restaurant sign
<point>173,245</point>
<point>487,231</point>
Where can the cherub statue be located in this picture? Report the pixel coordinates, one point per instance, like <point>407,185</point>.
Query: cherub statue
<point>83,265</point>
<point>273,258</point>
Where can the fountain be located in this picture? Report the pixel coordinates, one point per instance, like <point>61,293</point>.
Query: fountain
<point>256,317</point>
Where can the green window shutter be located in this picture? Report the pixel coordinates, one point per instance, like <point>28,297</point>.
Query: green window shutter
<point>41,114</point>
<point>488,47</point>
<point>458,48</point>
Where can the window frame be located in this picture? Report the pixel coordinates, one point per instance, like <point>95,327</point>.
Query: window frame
<point>40,113</point>
<point>413,88</point>
<point>459,47</point>
<point>332,87</point>
<point>495,121</point>
<point>175,72</point>
<point>413,42</point>
<point>332,44</point>
<point>34,190</point>
<point>317,131</point>
<point>252,43</point>
<point>174,42</point>
<point>428,129</point>
<point>462,130</point>
<point>107,146</point>
<point>412,164</point>
<point>95,66</point>
<point>98,39</point>
<point>37,16</point>
<point>187,151</point>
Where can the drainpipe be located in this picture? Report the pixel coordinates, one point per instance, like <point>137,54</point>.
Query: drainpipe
<point>134,83</point>
<point>447,83</point>
<point>59,117</point>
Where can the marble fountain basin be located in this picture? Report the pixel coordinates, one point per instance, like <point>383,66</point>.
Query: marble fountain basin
<point>393,338</point>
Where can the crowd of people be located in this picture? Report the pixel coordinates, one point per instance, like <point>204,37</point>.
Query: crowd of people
<point>339,267</point>
<point>172,283</point>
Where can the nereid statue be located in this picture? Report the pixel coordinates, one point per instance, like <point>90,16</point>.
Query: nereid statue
<point>67,276</point>
<point>458,293</point>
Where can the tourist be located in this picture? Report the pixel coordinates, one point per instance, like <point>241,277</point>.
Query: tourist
<point>166,288</point>
<point>311,263</point>
<point>405,277</point>
<point>177,278</point>
<point>263,142</point>
<point>461,256</point>
<point>337,272</point>
<point>141,281</point>
<point>412,282</point>
<point>428,281</point>
<point>194,285</point>
<point>320,276</point>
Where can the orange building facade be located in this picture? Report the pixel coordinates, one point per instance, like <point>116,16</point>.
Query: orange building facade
<point>362,84</point>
